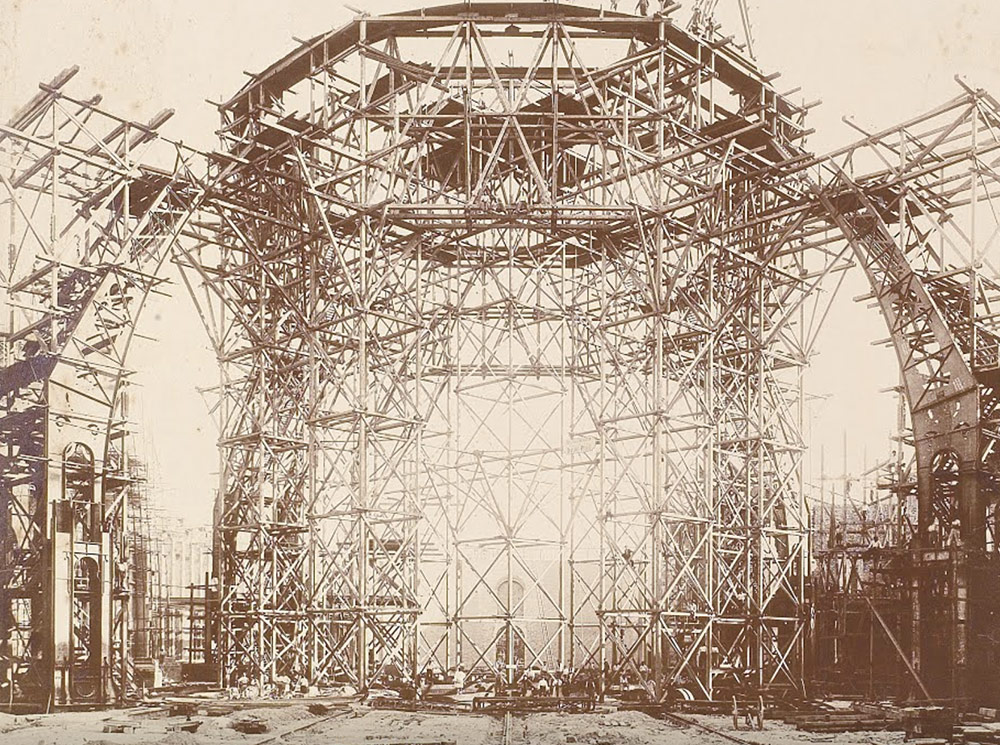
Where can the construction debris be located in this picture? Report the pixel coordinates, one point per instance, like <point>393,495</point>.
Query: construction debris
<point>500,704</point>
<point>250,725</point>
<point>188,725</point>
<point>120,726</point>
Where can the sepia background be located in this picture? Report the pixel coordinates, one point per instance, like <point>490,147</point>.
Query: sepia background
<point>875,61</point>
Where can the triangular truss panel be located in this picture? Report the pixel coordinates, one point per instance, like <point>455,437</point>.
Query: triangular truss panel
<point>513,306</point>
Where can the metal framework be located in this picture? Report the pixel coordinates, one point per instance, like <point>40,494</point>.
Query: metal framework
<point>87,232</point>
<point>513,307</point>
<point>512,304</point>
<point>860,581</point>
<point>918,204</point>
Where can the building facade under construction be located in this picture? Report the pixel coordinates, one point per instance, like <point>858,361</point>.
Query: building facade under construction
<point>512,305</point>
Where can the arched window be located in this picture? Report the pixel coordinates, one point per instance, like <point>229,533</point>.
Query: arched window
<point>78,490</point>
<point>516,596</point>
<point>87,631</point>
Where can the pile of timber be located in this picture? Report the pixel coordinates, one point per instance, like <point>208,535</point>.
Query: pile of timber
<point>218,707</point>
<point>120,726</point>
<point>869,718</point>
<point>928,722</point>
<point>702,706</point>
<point>185,725</point>
<point>183,689</point>
<point>250,725</point>
<point>424,707</point>
<point>502,704</point>
<point>981,728</point>
<point>136,721</point>
<point>774,709</point>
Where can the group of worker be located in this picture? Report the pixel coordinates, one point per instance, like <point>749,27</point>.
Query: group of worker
<point>938,537</point>
<point>536,681</point>
<point>539,682</point>
<point>279,686</point>
<point>642,7</point>
<point>591,683</point>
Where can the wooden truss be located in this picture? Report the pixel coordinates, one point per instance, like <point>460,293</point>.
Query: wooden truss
<point>513,310</point>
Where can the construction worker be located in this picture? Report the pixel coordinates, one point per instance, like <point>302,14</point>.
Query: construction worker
<point>558,678</point>
<point>955,533</point>
<point>242,684</point>
<point>934,533</point>
<point>282,685</point>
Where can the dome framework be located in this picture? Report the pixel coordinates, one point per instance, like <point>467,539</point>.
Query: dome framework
<point>521,263</point>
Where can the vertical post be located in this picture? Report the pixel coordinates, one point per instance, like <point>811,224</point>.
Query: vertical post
<point>318,621</point>
<point>604,501</point>
<point>757,610</point>
<point>660,451</point>
<point>362,505</point>
<point>565,639</point>
<point>710,493</point>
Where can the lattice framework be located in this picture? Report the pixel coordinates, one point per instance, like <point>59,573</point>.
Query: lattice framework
<point>513,352</point>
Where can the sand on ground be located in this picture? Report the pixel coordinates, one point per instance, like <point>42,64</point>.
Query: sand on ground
<point>364,726</point>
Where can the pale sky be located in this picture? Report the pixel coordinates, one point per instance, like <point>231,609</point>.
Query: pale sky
<point>878,61</point>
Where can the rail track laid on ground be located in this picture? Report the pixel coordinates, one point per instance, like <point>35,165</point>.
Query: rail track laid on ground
<point>508,728</point>
<point>679,719</point>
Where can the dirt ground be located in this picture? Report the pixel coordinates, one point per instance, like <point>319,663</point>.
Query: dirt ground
<point>364,726</point>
